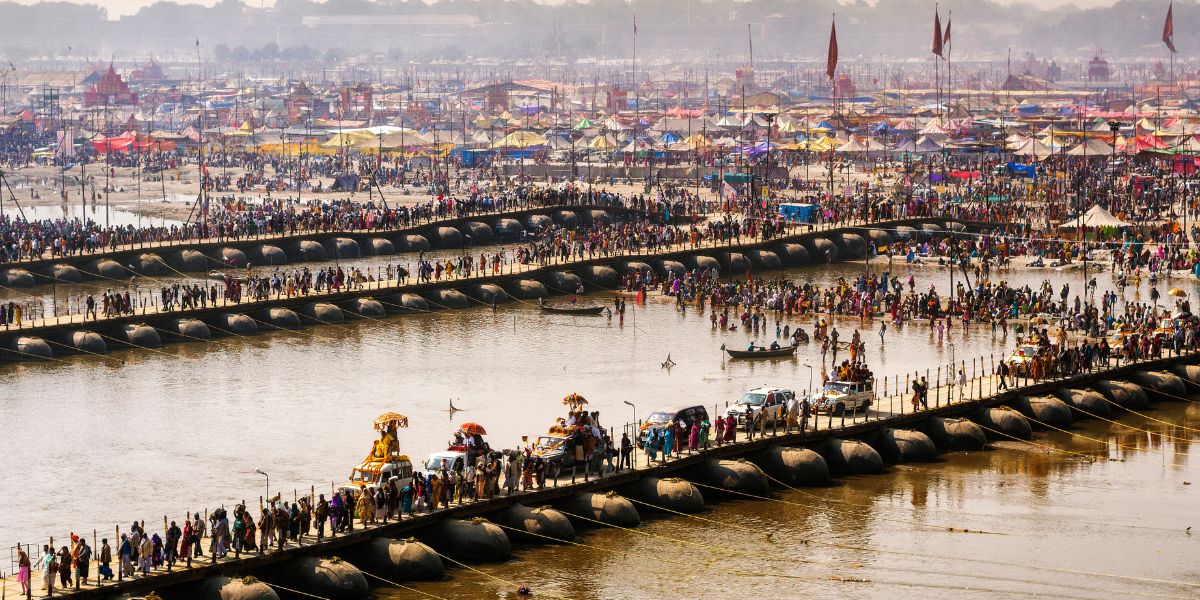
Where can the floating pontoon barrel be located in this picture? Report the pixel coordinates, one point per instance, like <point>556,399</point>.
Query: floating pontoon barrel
<point>476,539</point>
<point>880,237</point>
<point>18,278</point>
<point>381,247</point>
<point>107,269</point>
<point>189,330</point>
<point>1188,372</point>
<point>734,475</point>
<point>667,266</point>
<point>86,341</point>
<point>65,273</point>
<point>324,312</point>
<point>954,226</point>
<point>598,216</point>
<point>446,237</point>
<point>413,242</point>
<point>343,247</point>
<point>672,493</point>
<point>610,508</point>
<point>235,323</point>
<point>283,318</point>
<point>413,302</point>
<point>364,308</point>
<point>331,578</point>
<point>1085,400</point>
<point>190,261</point>
<point>703,262</point>
<point>565,218</point>
<point>308,251</point>
<point>1047,409</point>
<point>141,335</point>
<point>822,250</point>
<point>930,229</point>
<point>535,222</point>
<point>540,523</point>
<point>793,254</point>
<point>230,257</point>
<point>398,560</point>
<point>793,466</point>
<point>736,262</point>
<point>525,289</point>
<point>559,282</point>
<point>488,293</point>
<point>448,299</point>
<point>220,587</point>
<point>850,456</point>
<point>851,245</point>
<point>903,445</point>
<point>904,232</point>
<point>765,259</point>
<point>1007,422</point>
<point>29,348</point>
<point>269,255</point>
<point>479,233</point>
<point>1122,393</point>
<point>633,265</point>
<point>600,276</point>
<point>152,264</point>
<point>1160,385</point>
<point>508,228</point>
<point>954,434</point>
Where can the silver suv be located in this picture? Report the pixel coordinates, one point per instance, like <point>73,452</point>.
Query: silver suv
<point>771,402</point>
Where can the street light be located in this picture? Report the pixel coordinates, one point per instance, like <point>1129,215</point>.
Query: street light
<point>1114,126</point>
<point>268,485</point>
<point>810,377</point>
<point>630,404</point>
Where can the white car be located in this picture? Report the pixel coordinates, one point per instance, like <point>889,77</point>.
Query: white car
<point>837,397</point>
<point>772,401</point>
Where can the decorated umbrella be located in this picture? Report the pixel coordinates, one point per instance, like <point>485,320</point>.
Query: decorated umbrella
<point>574,400</point>
<point>1177,292</point>
<point>390,420</point>
<point>472,428</point>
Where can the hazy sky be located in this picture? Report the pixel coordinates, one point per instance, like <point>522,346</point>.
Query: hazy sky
<point>117,8</point>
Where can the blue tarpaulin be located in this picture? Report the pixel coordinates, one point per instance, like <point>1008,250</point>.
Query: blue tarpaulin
<point>1022,170</point>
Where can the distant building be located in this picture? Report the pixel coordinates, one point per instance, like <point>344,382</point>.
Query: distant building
<point>843,87</point>
<point>302,100</point>
<point>110,90</point>
<point>1098,69</point>
<point>148,73</point>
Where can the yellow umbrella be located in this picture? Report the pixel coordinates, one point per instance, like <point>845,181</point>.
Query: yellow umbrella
<point>1177,292</point>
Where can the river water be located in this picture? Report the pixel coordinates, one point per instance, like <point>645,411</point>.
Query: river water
<point>92,443</point>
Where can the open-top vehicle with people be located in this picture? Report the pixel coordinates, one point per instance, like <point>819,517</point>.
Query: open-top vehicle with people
<point>384,462</point>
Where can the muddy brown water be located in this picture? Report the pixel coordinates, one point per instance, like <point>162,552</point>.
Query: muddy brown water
<point>89,443</point>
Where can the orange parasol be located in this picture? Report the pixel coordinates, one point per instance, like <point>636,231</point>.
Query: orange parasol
<point>472,429</point>
<point>390,420</point>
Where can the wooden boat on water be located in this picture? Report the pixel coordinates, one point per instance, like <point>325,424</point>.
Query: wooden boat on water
<point>757,353</point>
<point>571,310</point>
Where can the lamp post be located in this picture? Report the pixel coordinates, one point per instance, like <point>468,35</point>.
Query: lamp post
<point>630,404</point>
<point>810,377</point>
<point>268,484</point>
<point>1114,127</point>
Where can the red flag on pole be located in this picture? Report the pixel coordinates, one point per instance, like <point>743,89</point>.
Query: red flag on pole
<point>946,35</point>
<point>937,33</point>
<point>831,59</point>
<point>634,24</point>
<point>1169,28</point>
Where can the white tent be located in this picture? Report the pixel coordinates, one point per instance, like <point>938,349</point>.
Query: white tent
<point>1095,217</point>
<point>1091,147</point>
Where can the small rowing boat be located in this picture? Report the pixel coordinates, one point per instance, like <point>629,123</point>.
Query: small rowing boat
<point>783,352</point>
<point>571,310</point>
